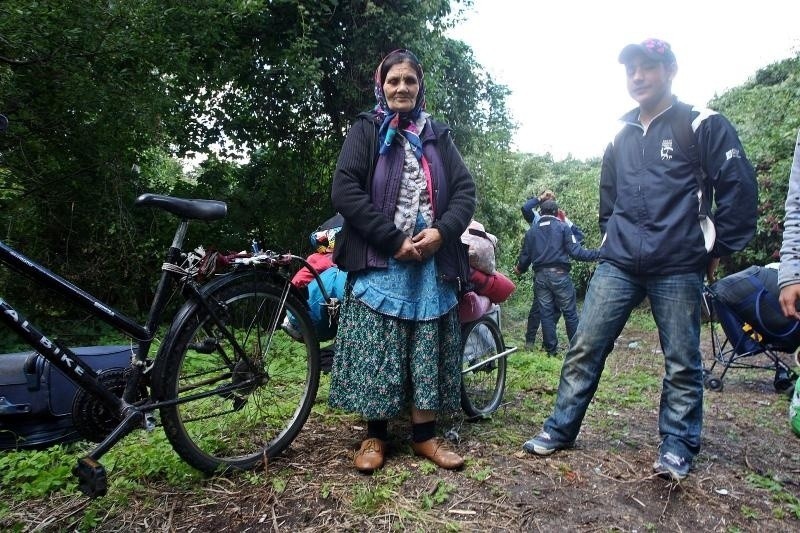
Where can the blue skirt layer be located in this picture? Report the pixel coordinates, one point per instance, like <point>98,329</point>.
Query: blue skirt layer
<point>406,289</point>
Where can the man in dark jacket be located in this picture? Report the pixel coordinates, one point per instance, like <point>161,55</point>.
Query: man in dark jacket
<point>531,215</point>
<point>548,246</point>
<point>659,237</point>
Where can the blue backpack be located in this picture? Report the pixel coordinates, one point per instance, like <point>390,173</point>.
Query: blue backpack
<point>333,280</point>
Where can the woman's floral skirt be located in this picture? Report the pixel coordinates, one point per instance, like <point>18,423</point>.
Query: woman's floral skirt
<point>384,364</point>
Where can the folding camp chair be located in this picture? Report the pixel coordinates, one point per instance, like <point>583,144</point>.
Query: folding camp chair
<point>745,305</point>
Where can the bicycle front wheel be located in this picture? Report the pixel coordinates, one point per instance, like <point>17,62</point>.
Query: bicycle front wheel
<point>244,387</point>
<point>483,368</point>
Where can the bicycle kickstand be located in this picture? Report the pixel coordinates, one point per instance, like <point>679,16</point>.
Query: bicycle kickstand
<point>92,480</point>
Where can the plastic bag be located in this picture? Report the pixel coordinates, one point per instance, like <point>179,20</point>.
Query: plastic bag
<point>481,247</point>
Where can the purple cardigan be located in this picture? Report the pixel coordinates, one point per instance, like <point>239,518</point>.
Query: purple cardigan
<point>369,236</point>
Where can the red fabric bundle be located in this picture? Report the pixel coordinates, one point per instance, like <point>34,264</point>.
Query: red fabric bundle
<point>497,287</point>
<point>320,262</point>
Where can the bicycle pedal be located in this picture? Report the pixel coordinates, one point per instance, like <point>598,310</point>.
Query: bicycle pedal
<point>91,475</point>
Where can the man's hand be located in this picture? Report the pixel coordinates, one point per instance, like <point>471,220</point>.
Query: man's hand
<point>788,298</point>
<point>547,195</point>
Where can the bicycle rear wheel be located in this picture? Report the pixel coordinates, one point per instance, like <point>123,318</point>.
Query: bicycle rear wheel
<point>236,409</point>
<point>483,372</point>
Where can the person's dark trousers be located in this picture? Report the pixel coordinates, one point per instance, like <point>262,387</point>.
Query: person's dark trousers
<point>535,318</point>
<point>555,290</point>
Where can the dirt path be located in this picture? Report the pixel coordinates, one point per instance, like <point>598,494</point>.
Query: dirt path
<point>747,478</point>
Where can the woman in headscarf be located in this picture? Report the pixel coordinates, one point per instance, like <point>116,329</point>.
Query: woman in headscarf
<point>406,197</point>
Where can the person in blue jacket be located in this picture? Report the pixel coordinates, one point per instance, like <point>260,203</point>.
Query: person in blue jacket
<point>549,245</point>
<point>660,235</point>
<point>531,214</point>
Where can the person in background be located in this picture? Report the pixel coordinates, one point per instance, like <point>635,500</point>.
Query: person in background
<point>658,240</point>
<point>406,197</point>
<point>549,245</point>
<point>789,270</point>
<point>531,215</point>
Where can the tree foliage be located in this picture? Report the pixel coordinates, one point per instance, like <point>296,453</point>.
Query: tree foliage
<point>95,89</point>
<point>103,96</point>
<point>766,112</point>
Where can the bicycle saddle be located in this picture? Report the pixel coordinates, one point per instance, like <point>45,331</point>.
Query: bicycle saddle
<point>184,207</point>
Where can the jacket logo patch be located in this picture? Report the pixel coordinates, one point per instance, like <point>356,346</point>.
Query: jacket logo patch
<point>733,152</point>
<point>666,149</point>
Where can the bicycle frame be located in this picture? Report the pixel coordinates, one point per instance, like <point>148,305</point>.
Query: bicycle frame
<point>70,364</point>
<point>60,356</point>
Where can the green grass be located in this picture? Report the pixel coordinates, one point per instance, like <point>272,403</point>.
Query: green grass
<point>478,471</point>
<point>785,501</point>
<point>415,494</point>
<point>534,373</point>
<point>370,495</point>
<point>642,319</point>
<point>35,473</point>
<point>439,495</point>
<point>141,456</point>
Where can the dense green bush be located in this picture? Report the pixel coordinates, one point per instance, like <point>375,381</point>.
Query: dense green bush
<point>766,111</point>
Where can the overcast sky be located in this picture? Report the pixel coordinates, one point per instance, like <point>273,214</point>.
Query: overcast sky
<point>559,58</point>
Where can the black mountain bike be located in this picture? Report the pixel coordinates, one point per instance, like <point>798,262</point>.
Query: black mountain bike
<point>230,388</point>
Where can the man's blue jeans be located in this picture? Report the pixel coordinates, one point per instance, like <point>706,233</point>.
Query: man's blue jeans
<point>535,317</point>
<point>675,304</point>
<point>555,290</point>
